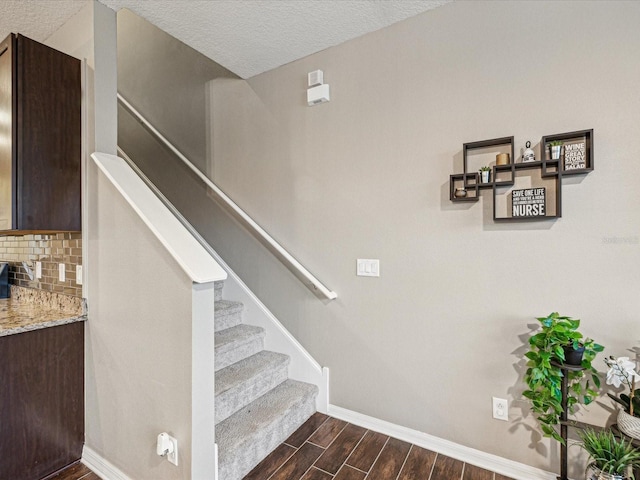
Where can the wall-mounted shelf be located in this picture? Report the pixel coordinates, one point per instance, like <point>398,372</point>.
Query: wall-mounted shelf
<point>574,159</point>
<point>522,191</point>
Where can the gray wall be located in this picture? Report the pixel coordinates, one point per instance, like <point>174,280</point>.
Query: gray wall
<point>166,80</point>
<point>442,330</point>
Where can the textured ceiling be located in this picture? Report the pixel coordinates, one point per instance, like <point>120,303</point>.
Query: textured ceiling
<point>245,36</point>
<point>36,19</point>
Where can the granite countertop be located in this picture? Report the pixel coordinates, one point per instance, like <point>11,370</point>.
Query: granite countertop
<point>30,309</point>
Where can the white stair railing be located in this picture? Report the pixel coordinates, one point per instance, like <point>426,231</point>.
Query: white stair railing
<point>261,232</point>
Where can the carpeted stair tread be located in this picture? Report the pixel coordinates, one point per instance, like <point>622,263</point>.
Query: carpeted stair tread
<point>249,435</point>
<point>235,343</point>
<point>241,383</point>
<point>227,314</point>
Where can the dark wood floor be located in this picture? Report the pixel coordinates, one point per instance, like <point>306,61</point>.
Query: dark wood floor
<point>77,471</point>
<point>326,448</point>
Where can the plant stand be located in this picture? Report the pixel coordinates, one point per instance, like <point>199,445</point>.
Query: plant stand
<point>565,423</point>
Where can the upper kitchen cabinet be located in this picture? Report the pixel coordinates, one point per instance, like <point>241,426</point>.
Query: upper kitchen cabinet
<point>40,137</point>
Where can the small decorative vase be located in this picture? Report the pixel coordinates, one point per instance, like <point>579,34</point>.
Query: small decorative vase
<point>594,473</point>
<point>485,176</point>
<point>628,424</point>
<point>555,152</point>
<point>460,193</point>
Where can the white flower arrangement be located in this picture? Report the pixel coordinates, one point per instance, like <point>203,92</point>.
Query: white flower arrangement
<point>622,371</point>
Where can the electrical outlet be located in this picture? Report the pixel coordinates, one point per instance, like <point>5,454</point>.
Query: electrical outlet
<point>61,273</point>
<point>38,269</point>
<point>173,456</point>
<point>79,274</point>
<point>500,409</point>
<point>167,446</point>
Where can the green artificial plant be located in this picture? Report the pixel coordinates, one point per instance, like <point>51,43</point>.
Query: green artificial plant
<point>611,455</point>
<point>544,376</point>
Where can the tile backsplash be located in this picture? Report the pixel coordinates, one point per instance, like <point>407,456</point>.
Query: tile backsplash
<point>50,249</point>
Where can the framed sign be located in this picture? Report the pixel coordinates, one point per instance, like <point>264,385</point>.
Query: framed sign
<point>575,155</point>
<point>528,202</point>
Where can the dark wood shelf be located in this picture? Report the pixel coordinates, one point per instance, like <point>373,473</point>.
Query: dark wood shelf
<point>580,425</point>
<point>465,199</point>
<point>570,138</point>
<point>546,176</point>
<point>462,181</point>
<point>570,368</point>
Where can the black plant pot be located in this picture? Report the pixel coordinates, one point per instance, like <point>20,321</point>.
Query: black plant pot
<point>573,356</point>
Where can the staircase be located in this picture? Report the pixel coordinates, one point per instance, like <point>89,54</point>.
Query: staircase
<point>257,406</point>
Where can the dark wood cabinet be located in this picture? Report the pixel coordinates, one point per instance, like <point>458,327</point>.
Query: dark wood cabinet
<point>40,137</point>
<point>41,401</point>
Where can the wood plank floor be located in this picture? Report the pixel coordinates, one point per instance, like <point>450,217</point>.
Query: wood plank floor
<point>325,448</point>
<point>77,471</point>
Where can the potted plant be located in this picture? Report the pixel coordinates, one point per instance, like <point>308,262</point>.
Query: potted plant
<point>622,371</point>
<point>556,149</point>
<point>612,458</point>
<point>485,173</point>
<point>547,353</point>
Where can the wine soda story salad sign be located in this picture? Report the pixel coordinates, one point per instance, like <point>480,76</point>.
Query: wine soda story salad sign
<point>575,155</point>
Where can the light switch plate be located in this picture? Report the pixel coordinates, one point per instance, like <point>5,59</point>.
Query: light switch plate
<point>79,274</point>
<point>38,269</point>
<point>368,267</point>
<point>61,273</point>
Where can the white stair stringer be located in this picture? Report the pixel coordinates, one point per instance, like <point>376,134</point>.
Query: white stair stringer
<point>257,406</point>
<point>303,366</point>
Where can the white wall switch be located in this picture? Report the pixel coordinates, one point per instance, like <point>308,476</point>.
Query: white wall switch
<point>368,267</point>
<point>61,274</point>
<point>79,274</point>
<point>38,269</point>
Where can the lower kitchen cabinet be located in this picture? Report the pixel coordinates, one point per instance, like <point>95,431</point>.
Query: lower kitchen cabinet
<point>41,401</point>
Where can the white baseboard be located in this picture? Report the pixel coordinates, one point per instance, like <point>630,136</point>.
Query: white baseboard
<point>101,467</point>
<point>509,468</point>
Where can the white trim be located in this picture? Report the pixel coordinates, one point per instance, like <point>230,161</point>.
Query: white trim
<point>215,461</point>
<point>503,466</point>
<point>203,422</point>
<point>183,247</point>
<point>101,467</point>
<point>317,284</point>
<point>303,367</point>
